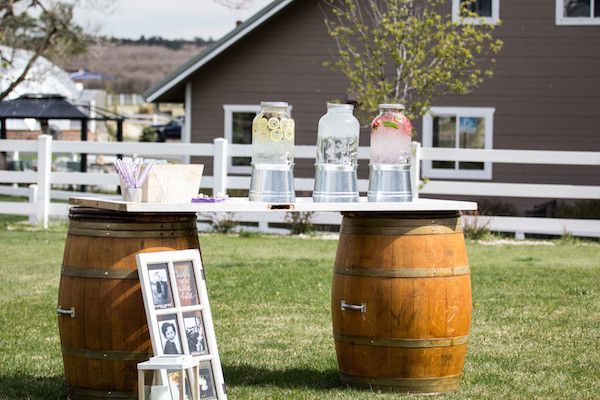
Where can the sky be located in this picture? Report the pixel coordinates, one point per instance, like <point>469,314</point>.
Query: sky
<point>171,19</point>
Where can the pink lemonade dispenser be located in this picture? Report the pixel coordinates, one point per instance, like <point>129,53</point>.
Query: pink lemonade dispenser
<point>389,178</point>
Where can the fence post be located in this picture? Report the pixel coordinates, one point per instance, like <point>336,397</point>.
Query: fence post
<point>263,226</point>
<point>220,167</point>
<point>33,192</point>
<point>44,166</point>
<point>519,235</point>
<point>415,169</point>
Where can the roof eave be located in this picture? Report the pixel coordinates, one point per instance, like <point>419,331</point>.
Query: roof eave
<point>153,94</point>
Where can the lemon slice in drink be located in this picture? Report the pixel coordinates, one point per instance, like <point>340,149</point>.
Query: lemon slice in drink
<point>285,122</point>
<point>289,129</point>
<point>262,133</point>
<point>261,123</point>
<point>273,123</point>
<point>276,135</point>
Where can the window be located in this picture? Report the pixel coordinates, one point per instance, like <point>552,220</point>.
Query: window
<point>460,128</point>
<point>489,10</point>
<point>577,12</point>
<point>238,130</point>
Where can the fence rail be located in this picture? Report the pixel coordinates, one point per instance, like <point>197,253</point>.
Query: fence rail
<point>124,99</point>
<point>40,194</point>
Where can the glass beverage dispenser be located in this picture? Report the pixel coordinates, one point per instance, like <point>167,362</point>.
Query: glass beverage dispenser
<point>337,152</point>
<point>389,178</point>
<point>273,154</point>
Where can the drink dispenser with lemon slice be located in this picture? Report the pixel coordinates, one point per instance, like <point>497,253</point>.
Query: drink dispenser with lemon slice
<point>273,132</point>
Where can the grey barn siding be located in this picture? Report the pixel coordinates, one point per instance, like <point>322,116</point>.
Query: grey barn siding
<point>545,89</point>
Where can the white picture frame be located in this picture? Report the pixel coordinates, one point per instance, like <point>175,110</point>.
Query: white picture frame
<point>178,312</point>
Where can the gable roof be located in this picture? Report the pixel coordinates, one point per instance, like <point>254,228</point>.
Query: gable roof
<point>195,63</point>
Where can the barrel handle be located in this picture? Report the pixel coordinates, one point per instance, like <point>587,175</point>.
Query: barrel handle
<point>354,307</point>
<point>62,312</point>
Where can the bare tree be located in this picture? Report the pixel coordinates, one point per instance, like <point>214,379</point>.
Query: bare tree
<point>45,29</point>
<point>235,4</point>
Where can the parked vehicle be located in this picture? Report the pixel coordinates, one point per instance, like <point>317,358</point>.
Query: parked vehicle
<point>171,130</point>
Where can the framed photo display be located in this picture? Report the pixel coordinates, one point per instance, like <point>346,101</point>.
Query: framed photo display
<point>179,318</point>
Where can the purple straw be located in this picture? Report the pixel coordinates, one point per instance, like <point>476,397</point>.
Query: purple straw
<point>144,174</point>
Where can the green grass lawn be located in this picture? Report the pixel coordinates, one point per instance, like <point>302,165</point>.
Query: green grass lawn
<point>535,330</point>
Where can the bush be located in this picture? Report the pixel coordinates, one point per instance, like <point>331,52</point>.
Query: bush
<point>299,222</point>
<point>149,134</point>
<point>496,207</point>
<point>249,234</point>
<point>585,209</point>
<point>224,222</point>
<point>474,229</point>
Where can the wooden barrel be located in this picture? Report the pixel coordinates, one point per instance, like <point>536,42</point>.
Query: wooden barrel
<point>102,322</point>
<point>401,301</point>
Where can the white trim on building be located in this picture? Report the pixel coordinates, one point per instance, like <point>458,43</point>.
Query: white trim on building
<point>186,132</point>
<point>466,112</point>
<point>494,19</point>
<point>562,19</point>
<point>229,109</point>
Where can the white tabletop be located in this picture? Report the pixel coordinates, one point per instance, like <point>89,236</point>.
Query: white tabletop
<point>169,362</point>
<point>302,204</point>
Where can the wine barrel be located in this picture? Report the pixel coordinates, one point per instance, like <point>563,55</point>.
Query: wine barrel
<point>102,322</point>
<point>401,301</point>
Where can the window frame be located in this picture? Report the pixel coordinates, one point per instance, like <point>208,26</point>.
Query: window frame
<point>561,19</point>
<point>494,19</point>
<point>229,109</point>
<point>480,112</point>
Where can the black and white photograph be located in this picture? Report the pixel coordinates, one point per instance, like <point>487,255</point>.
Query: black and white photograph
<point>160,286</point>
<point>186,283</point>
<point>195,333</point>
<point>206,381</point>
<point>180,321</point>
<point>169,335</point>
<point>174,386</point>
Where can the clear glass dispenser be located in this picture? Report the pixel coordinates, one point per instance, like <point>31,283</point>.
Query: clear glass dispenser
<point>337,153</point>
<point>389,178</point>
<point>273,132</point>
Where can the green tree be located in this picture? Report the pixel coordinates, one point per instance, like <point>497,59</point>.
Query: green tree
<point>44,28</point>
<point>408,51</point>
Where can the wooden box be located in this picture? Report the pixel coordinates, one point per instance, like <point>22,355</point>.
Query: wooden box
<point>172,183</point>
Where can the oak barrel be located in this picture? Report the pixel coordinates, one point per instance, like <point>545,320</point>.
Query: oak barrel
<point>102,322</point>
<point>401,301</point>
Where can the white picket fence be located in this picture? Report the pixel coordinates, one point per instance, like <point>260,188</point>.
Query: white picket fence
<point>40,208</point>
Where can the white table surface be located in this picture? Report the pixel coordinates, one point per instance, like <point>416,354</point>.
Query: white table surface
<point>169,362</point>
<point>302,204</point>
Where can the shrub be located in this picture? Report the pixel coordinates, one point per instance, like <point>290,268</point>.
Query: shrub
<point>585,209</point>
<point>224,222</point>
<point>495,207</point>
<point>474,229</point>
<point>248,234</point>
<point>149,134</point>
<point>299,222</point>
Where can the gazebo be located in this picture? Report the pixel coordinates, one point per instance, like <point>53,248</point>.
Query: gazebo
<point>53,107</point>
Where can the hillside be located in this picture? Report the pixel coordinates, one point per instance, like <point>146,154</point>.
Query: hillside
<point>132,66</point>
